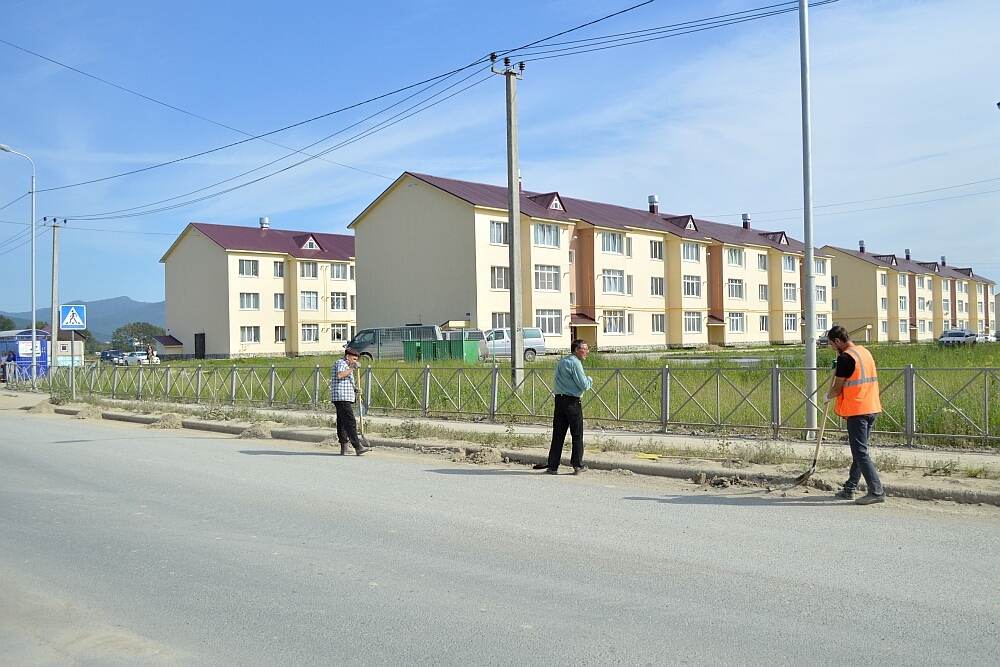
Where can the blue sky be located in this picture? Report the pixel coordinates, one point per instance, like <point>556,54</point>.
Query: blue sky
<point>904,100</point>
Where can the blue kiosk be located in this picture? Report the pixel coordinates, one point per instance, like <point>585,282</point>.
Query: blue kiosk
<point>19,341</point>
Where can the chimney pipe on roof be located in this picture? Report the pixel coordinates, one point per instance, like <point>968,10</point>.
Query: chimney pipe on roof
<point>942,261</point>
<point>746,221</point>
<point>654,204</point>
<point>861,245</point>
<point>907,252</point>
<point>264,224</point>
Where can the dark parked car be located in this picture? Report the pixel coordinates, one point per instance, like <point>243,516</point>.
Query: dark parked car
<point>111,356</point>
<point>958,337</point>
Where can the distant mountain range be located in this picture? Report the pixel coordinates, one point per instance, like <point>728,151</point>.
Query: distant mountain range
<point>104,316</point>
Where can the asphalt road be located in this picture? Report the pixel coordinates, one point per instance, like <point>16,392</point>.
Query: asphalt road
<point>128,546</point>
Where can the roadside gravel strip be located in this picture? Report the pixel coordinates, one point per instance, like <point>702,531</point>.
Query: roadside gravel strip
<point>690,469</point>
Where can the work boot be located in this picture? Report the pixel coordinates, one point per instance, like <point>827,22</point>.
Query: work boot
<point>343,449</point>
<point>360,449</point>
<point>870,499</point>
<point>846,494</point>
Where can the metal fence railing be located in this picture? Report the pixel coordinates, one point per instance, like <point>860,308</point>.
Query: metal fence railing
<point>949,403</point>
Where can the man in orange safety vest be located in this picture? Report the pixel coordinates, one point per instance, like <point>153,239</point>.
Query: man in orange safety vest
<point>855,389</point>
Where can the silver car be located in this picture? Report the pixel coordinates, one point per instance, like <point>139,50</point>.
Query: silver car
<point>958,337</point>
<point>497,343</point>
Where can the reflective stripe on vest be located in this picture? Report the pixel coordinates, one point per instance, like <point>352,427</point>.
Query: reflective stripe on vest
<point>864,379</point>
<point>860,395</point>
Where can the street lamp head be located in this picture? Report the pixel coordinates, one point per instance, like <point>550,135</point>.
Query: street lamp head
<point>5,148</point>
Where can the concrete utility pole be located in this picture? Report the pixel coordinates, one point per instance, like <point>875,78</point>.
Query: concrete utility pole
<point>513,222</point>
<point>34,334</point>
<point>810,272</point>
<point>54,337</point>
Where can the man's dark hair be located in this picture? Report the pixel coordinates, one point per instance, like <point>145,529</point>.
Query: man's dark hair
<point>577,344</point>
<point>351,351</point>
<point>839,333</point>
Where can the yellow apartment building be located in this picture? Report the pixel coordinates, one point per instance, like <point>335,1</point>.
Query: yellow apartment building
<point>882,297</point>
<point>234,291</point>
<point>433,250</point>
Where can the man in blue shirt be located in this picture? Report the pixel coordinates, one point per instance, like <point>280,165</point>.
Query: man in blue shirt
<point>570,383</point>
<point>343,393</point>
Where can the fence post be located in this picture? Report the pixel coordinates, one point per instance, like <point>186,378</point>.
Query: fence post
<point>114,382</point>
<point>986,406</point>
<point>232,386</point>
<point>427,389</point>
<point>910,403</point>
<point>368,389</point>
<point>316,387</point>
<point>270,388</point>
<point>494,392</point>
<point>775,401</point>
<point>90,384</point>
<point>138,385</point>
<point>197,389</point>
<point>166,384</point>
<point>664,397</point>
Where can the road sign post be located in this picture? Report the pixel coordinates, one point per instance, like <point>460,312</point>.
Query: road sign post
<point>72,318</point>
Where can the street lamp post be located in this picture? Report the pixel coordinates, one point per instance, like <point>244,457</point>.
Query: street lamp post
<point>34,341</point>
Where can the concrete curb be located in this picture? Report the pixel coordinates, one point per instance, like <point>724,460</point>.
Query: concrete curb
<point>694,473</point>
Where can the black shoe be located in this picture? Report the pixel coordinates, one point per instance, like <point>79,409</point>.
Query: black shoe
<point>846,494</point>
<point>580,470</point>
<point>552,471</point>
<point>343,449</point>
<point>540,466</point>
<point>361,449</point>
<point>870,499</point>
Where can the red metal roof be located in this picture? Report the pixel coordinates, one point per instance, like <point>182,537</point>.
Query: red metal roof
<point>338,247</point>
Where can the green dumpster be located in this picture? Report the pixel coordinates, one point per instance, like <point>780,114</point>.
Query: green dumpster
<point>442,349</point>
<point>470,351</point>
<point>411,350</point>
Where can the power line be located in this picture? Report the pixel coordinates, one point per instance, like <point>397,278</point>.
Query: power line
<point>879,208</point>
<point>16,200</point>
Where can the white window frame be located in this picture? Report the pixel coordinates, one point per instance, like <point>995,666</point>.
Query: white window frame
<point>788,263</point>
<point>656,250</point>
<point>313,333</point>
<point>819,266</point>
<point>279,301</point>
<point>612,243</point>
<point>279,333</point>
<point>546,235</point>
<point>692,322</point>
<point>250,301</point>
<point>313,297</point>
<point>884,326</point>
<point>339,332</point>
<point>307,268</point>
<point>735,289</point>
<point>789,292</point>
<point>339,271</point>
<point>834,282</point>
<point>500,320</point>
<point>249,268</point>
<point>279,269</point>
<point>499,232</point>
<point>548,278</point>
<point>656,286</point>
<point>549,321</point>
<point>250,335</point>
<point>630,323</point>
<point>762,262</point>
<point>735,256</point>
<point>883,279</point>
<point>765,323</point>
<point>692,286</point>
<point>904,326</point>
<point>763,293</point>
<point>902,280</point>
<point>737,322</point>
<point>821,293</point>
<point>822,322</point>
<point>884,304</point>
<point>628,246</point>
<point>791,322</point>
<point>500,278</point>
<point>659,323</point>
<point>614,322</point>
<point>629,284</point>
<point>691,252</point>
<point>338,300</point>
<point>613,278</point>
<point>835,305</point>
<point>904,304</point>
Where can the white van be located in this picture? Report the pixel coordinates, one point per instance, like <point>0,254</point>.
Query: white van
<point>497,343</point>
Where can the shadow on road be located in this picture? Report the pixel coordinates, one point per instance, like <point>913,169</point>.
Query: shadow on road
<point>277,452</point>
<point>488,471</point>
<point>745,500</point>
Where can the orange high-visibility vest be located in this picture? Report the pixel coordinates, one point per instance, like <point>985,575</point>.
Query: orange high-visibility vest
<point>860,395</point>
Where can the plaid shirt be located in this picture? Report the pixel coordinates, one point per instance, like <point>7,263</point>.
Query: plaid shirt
<point>342,390</point>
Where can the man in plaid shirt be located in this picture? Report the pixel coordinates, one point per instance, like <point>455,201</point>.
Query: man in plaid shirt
<point>343,393</point>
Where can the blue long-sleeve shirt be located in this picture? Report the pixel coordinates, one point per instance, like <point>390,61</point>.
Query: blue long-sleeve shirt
<point>570,378</point>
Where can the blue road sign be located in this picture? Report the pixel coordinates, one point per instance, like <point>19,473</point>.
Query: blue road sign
<point>72,317</point>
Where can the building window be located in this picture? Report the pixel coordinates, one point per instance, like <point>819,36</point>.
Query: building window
<point>980,304</point>
<point>882,279</point>
<point>310,333</point>
<point>821,322</point>
<point>735,288</point>
<point>659,324</point>
<point>902,303</point>
<point>611,243</point>
<point>920,303</point>
<point>762,262</point>
<point>572,256</point>
<point>820,265</point>
<point>628,285</point>
<point>762,292</point>
<point>614,281</point>
<point>352,302</point>
<point>499,277</point>
<point>884,326</point>
<point>930,306</point>
<point>310,245</point>
<point>821,293</point>
<point>835,305</point>
<point>547,235</point>
<point>692,286</point>
<point>920,283</point>
<point>498,233</point>
<point>946,284</point>
<point>249,301</point>
<point>549,321</point>
<point>765,323</point>
<point>884,305</point>
<point>902,280</point>
<point>547,278</point>
<point>734,256</point>
<point>834,282</point>
<point>308,270</point>
<point>338,332</point>
<point>737,322</point>
<point>922,326</point>
<point>338,300</point>
<point>572,298</point>
<point>628,246</point>
<point>279,334</point>
<point>279,269</point>
<point>656,249</point>
<point>692,322</point>
<point>631,323</point>
<point>691,252</point>
<point>249,334</point>
<point>614,321</point>
<point>309,301</point>
<point>338,272</point>
<point>656,286</point>
<point>791,322</point>
<point>788,264</point>
<point>788,291</point>
<point>352,272</point>
<point>501,320</point>
<point>903,326</point>
<point>249,268</point>
<point>279,300</point>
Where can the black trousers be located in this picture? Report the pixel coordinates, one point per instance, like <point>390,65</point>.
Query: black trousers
<point>568,414</point>
<point>347,425</point>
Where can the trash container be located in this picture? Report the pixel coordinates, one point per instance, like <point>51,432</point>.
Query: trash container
<point>442,349</point>
<point>470,351</point>
<point>411,350</point>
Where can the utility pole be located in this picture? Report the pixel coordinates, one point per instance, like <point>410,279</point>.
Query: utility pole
<point>513,222</point>
<point>54,326</point>
<point>810,272</point>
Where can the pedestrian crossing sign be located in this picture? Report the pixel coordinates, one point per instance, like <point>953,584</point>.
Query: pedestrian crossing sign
<point>73,317</point>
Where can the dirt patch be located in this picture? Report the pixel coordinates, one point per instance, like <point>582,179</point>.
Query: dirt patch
<point>735,480</point>
<point>169,420</point>
<point>328,442</point>
<point>43,408</point>
<point>90,412</point>
<point>485,456</point>
<point>259,430</point>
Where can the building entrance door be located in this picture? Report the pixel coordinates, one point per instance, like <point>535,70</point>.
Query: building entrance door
<point>199,346</point>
